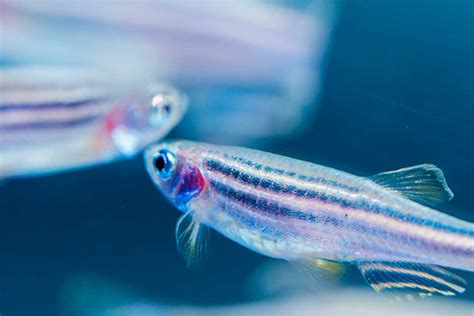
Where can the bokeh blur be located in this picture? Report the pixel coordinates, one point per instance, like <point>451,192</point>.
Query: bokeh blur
<point>359,85</point>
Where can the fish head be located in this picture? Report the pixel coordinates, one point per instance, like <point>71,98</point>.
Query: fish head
<point>144,118</point>
<point>174,167</point>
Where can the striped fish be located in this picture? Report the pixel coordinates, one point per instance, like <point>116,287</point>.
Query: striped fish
<point>57,118</point>
<point>228,56</point>
<point>311,214</point>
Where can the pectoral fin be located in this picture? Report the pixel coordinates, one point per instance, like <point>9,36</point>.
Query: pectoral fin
<point>407,281</point>
<point>192,239</point>
<point>424,184</point>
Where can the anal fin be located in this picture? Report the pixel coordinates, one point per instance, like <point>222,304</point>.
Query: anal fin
<point>408,281</point>
<point>192,239</point>
<point>320,267</point>
<point>424,183</point>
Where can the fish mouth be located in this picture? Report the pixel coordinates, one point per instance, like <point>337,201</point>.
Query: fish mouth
<point>149,156</point>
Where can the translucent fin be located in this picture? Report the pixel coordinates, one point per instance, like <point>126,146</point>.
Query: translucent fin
<point>320,267</point>
<point>408,281</point>
<point>424,184</point>
<point>192,239</point>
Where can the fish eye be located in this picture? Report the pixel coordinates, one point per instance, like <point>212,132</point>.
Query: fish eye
<point>164,163</point>
<point>160,109</point>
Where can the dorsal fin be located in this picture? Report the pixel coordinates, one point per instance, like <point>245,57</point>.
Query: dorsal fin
<point>424,184</point>
<point>192,238</point>
<point>408,281</point>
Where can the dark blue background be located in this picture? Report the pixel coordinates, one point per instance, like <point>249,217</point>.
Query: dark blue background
<point>398,91</point>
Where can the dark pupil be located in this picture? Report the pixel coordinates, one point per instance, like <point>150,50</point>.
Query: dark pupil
<point>160,163</point>
<point>166,109</point>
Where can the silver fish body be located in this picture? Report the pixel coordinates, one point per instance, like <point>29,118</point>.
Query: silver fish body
<point>299,211</point>
<point>56,118</point>
<point>290,209</point>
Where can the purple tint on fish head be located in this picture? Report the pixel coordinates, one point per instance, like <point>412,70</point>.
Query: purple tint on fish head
<point>181,181</point>
<point>190,185</point>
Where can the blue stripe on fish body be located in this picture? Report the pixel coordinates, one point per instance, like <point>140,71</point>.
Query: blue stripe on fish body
<point>49,124</point>
<point>261,205</point>
<point>270,207</point>
<point>258,206</point>
<point>279,171</point>
<point>47,105</point>
<point>259,182</point>
<point>360,204</point>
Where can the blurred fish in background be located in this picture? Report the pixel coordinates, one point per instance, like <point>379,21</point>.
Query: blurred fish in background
<point>59,118</point>
<point>252,70</point>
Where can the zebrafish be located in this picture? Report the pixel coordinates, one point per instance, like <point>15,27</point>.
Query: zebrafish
<point>228,57</point>
<point>310,214</point>
<point>57,118</point>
